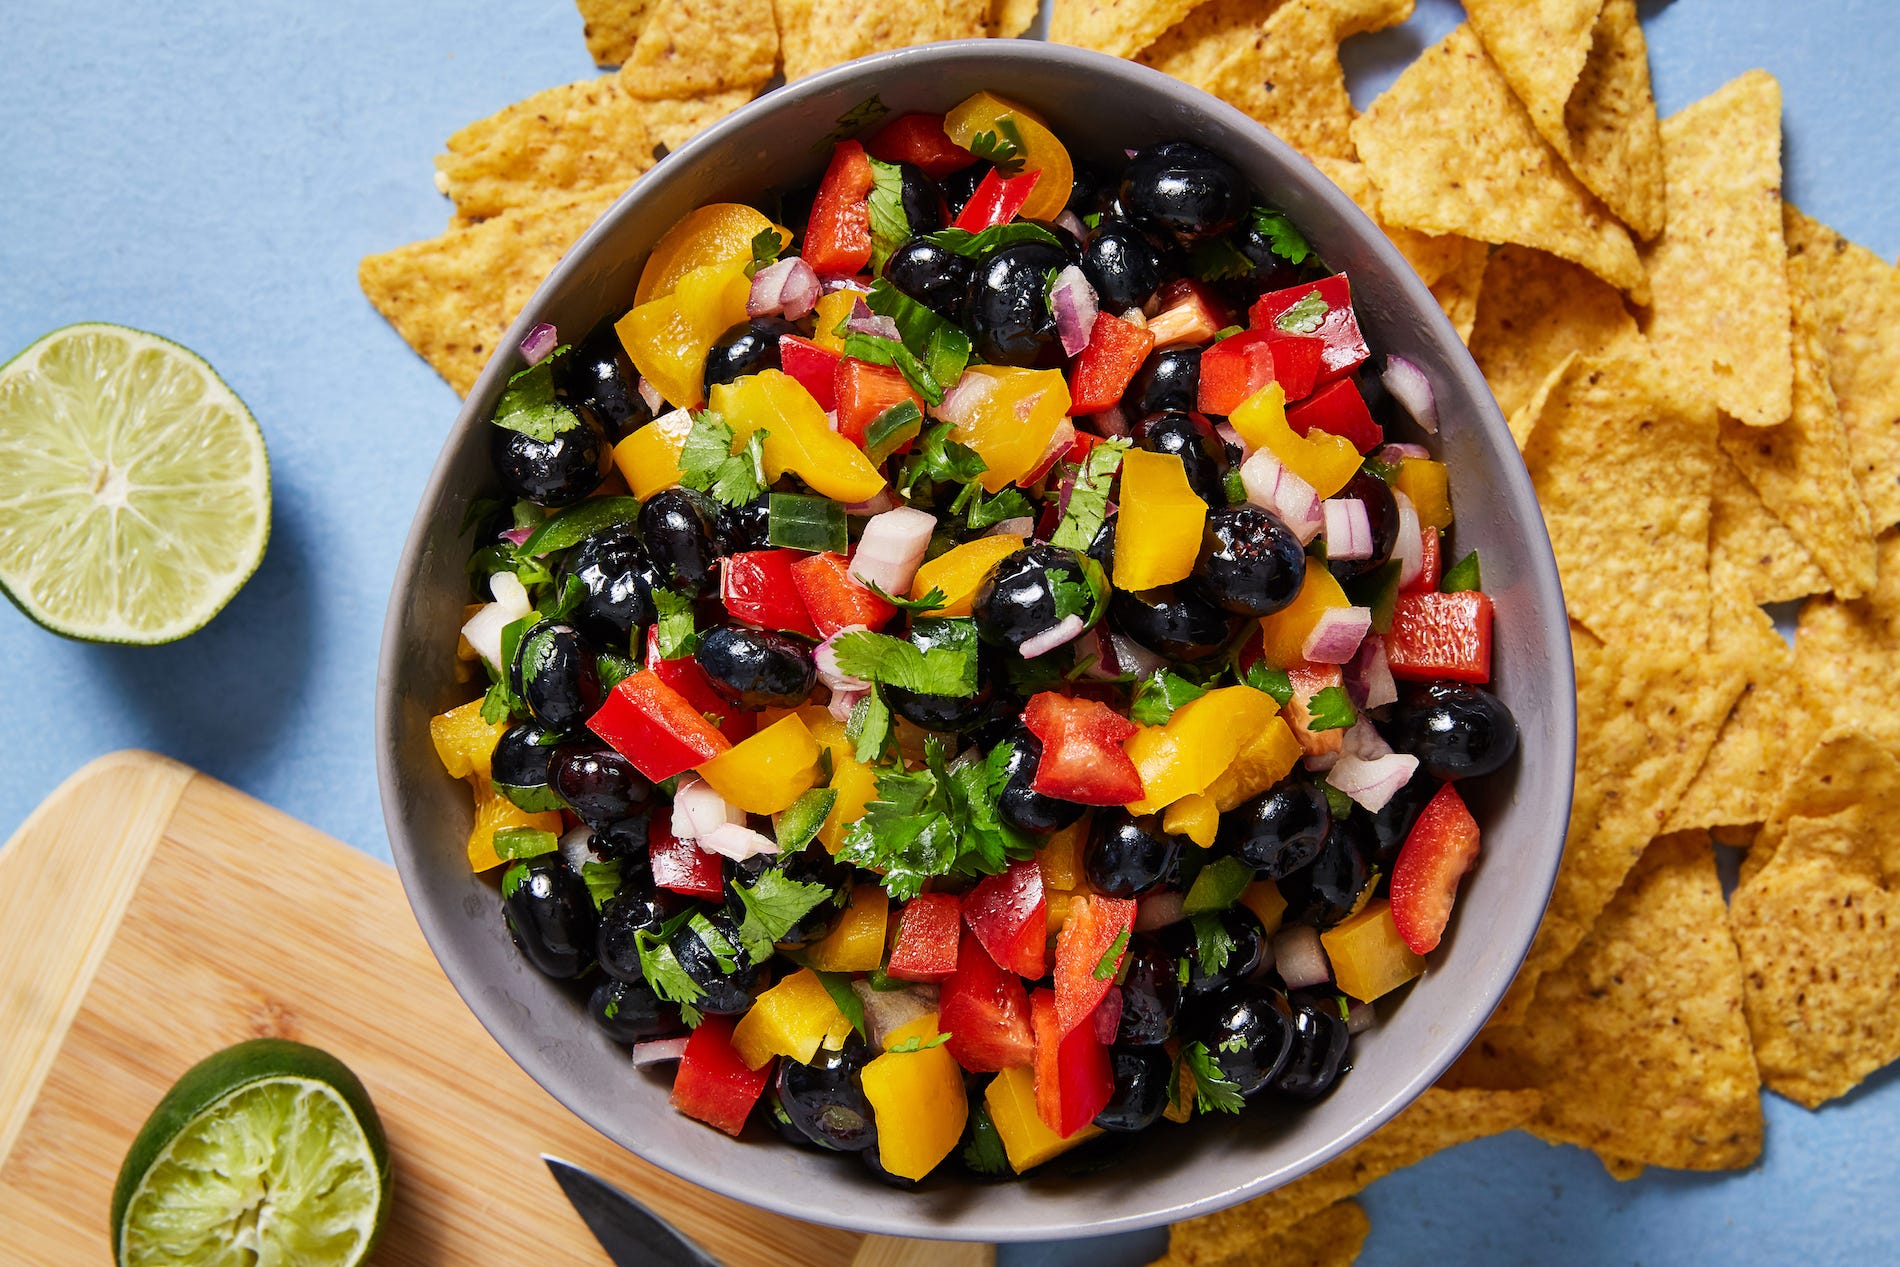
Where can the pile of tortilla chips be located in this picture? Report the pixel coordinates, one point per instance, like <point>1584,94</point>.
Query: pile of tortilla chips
<point>1705,386</point>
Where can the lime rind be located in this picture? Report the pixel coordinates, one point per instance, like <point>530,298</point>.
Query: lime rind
<point>134,486</point>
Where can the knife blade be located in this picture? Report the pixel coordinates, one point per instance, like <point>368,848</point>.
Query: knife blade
<point>632,1235</point>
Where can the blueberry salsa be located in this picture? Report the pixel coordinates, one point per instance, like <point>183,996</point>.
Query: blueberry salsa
<point>970,668</point>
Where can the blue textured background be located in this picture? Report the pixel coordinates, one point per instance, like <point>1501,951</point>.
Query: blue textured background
<point>213,172</point>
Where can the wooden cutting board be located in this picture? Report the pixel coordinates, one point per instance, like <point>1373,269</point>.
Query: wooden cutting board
<point>150,915</point>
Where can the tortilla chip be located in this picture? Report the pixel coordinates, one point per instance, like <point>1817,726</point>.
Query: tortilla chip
<point>1857,299</point>
<point>1457,290</point>
<point>1719,272</point>
<point>1432,257</point>
<point>1331,1238</point>
<point>1010,18</point>
<point>1623,473</point>
<point>1120,27</point>
<point>452,297</point>
<point>1750,548</point>
<point>1819,924</point>
<point>611,28</point>
<point>1437,1120</point>
<point>822,33</point>
<point>690,48</point>
<point>1638,1041</point>
<point>1197,44</point>
<point>1539,46</point>
<point>1610,136</point>
<point>1453,151</point>
<point>1533,311</point>
<point>1849,654</point>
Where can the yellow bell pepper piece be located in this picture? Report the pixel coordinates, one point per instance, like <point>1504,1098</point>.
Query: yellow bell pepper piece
<point>1027,1139</point>
<point>493,813</point>
<point>1267,758</point>
<point>668,337</point>
<point>1060,857</point>
<point>649,459</point>
<point>1284,633</point>
<point>833,309</point>
<point>1011,428</point>
<point>716,233</point>
<point>1425,482</point>
<point>1325,461</point>
<point>856,942</point>
<point>1262,897</point>
<point>797,436</point>
<point>766,772</point>
<point>1369,957</point>
<point>463,741</point>
<point>1195,817</point>
<point>1041,151</point>
<point>793,1018</point>
<point>851,779</point>
<point>1199,742</point>
<point>959,572</point>
<point>1158,529</point>
<point>919,1101</point>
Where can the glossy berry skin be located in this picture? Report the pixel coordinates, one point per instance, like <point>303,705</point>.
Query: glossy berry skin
<point>1251,563</point>
<point>1382,513</point>
<point>1168,380</point>
<point>934,276</point>
<point>1191,438</point>
<point>825,1099</point>
<point>1249,1034</point>
<point>726,993</point>
<point>522,760</point>
<point>630,1012</point>
<point>1128,856</point>
<point>1325,892</point>
<point>556,472</point>
<point>741,528</point>
<point>747,348</point>
<point>1141,1089</point>
<point>551,918</point>
<point>1179,190</point>
<point>1122,265</point>
<point>808,866</point>
<point>1018,599</point>
<point>600,785</point>
<point>1249,944</point>
<point>1007,305</point>
<point>1386,830</point>
<point>618,576</point>
<point>960,184</point>
<point>757,668</point>
<point>635,909</point>
<point>1151,994</point>
<point>924,205</point>
<point>599,374</point>
<point>1320,1042</point>
<point>1456,732</point>
<point>1019,804</point>
<point>556,675</point>
<point>1279,831</point>
<point>677,527</point>
<point>1173,621</point>
<point>1091,190</point>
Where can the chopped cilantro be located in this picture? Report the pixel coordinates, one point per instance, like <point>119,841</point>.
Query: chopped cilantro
<point>1072,597</point>
<point>1083,517</point>
<point>766,245</point>
<point>662,968</point>
<point>889,225</point>
<point>773,906</point>
<point>1112,957</point>
<point>1305,316</point>
<point>987,512</point>
<point>1337,802</point>
<point>707,462</point>
<point>674,634</point>
<point>513,878</point>
<point>889,661</point>
<point>931,601</point>
<point>1218,260</point>
<point>940,459</point>
<point>1212,944</point>
<point>976,245</point>
<point>1269,680</point>
<point>1157,696</point>
<point>602,880</point>
<point>613,670</point>
<point>1385,472</point>
<point>1331,709</point>
<point>936,822</point>
<point>916,1042</point>
<point>984,1153</point>
<point>1463,575</point>
<point>528,404</point>
<point>1093,220</point>
<point>1213,1090</point>
<point>1003,148</point>
<point>525,842</point>
<point>870,726</point>
<point>938,347</point>
<point>1282,237</point>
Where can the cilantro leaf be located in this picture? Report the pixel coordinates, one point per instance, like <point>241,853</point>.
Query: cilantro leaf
<point>1285,240</point>
<point>1158,695</point>
<point>936,822</point>
<point>675,635</point>
<point>1087,510</point>
<point>1003,148</point>
<point>1305,316</point>
<point>602,880</point>
<point>773,906</point>
<point>916,1042</point>
<point>1213,1090</point>
<point>1270,681</point>
<point>984,1153</point>
<point>1463,575</point>
<point>766,245</point>
<point>1212,943</point>
<point>1072,597</point>
<point>708,464</point>
<point>724,953</point>
<point>940,345</point>
<point>987,512</point>
<point>851,123</point>
<point>513,878</point>
<point>1218,260</point>
<point>938,458</point>
<point>990,843</point>
<point>1112,957</point>
<point>889,225</point>
<point>975,245</point>
<point>528,404</point>
<point>870,726</point>
<point>662,968</point>
<point>890,661</point>
<point>931,601</point>
<point>1331,709</point>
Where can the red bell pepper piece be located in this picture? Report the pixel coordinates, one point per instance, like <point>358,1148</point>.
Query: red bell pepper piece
<point>1337,409</point>
<point>927,935</point>
<point>653,726</point>
<point>1080,447</point>
<point>1108,364</point>
<point>1440,848</point>
<point>1234,369</point>
<point>862,391</point>
<point>996,201</point>
<point>1082,756</point>
<point>1074,1080</point>
<point>1089,948</point>
<point>1432,563</point>
<point>838,235</point>
<point>836,599</point>
<point>919,139</point>
<point>815,368</point>
<point>1010,916</point>
<point>1441,637</point>
<point>985,1010</point>
<point>684,675</point>
<point>1296,362</point>
<point>681,866</point>
<point>713,1083</point>
<point>757,587</point>
<point>1344,348</point>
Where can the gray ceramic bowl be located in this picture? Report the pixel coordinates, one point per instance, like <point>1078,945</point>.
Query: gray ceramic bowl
<point>1101,105</point>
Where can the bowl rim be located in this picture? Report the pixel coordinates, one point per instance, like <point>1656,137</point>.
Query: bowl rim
<point>1540,579</point>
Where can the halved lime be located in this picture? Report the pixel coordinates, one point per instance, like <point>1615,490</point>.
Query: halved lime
<point>267,1154</point>
<point>134,488</point>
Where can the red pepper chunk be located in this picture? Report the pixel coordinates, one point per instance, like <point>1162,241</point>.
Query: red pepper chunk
<point>1440,848</point>
<point>815,368</point>
<point>1337,409</point>
<point>1087,955</point>
<point>862,391</point>
<point>834,598</point>
<point>1431,565</point>
<point>996,201</point>
<point>1082,756</point>
<point>714,1084</point>
<point>681,866</point>
<point>1074,1080</point>
<point>1296,362</point>
<point>1010,916</point>
<point>757,587</point>
<point>1108,364</point>
<point>1234,369</point>
<point>653,726</point>
<point>985,1010</point>
<point>1343,347</point>
<point>1441,636</point>
<point>684,675</point>
<point>838,236</point>
<point>919,139</point>
<point>927,935</point>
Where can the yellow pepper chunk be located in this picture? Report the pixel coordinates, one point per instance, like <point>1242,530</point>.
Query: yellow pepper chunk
<point>669,337</point>
<point>793,1019</point>
<point>1158,529</point>
<point>1285,631</point>
<point>797,436</point>
<point>1195,817</point>
<point>959,572</point>
<point>1027,1139</point>
<point>833,309</point>
<point>918,1098</point>
<point>1197,745</point>
<point>1040,151</point>
<point>1369,957</point>
<point>463,741</point>
<point>495,812</point>
<point>766,772</point>
<point>1060,858</point>
<point>1323,460</point>
<point>1426,483</point>
<point>1011,428</point>
<point>716,233</point>
<point>1267,759</point>
<point>856,942</point>
<point>649,459</point>
<point>851,778</point>
<point>1263,898</point>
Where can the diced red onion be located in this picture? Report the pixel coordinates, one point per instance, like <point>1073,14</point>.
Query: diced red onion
<point>1372,781</point>
<point>1362,739</point>
<point>788,286</point>
<point>831,419</point>
<point>863,321</point>
<point>885,500</point>
<point>1395,453</point>
<point>1230,436</point>
<point>483,629</point>
<point>961,400</point>
<point>825,656</point>
<point>892,549</point>
<point>538,342</point>
<point>888,1010</point>
<point>1073,301</point>
<point>1337,634</point>
<point>1158,910</point>
<point>1271,486</point>
<point>737,842</point>
<point>1359,1017</point>
<point>1073,223</point>
<point>515,536</point>
<point>835,282</point>
<point>698,811</point>
<point>1348,529</point>
<point>1093,650</point>
<point>1059,443</point>
<point>577,848</point>
<point>1131,153</point>
<point>842,702</point>
<point>1369,677</point>
<point>1021,526</point>
<point>1132,657</point>
<point>1300,957</point>
<point>659,1051</point>
<point>1410,387</point>
<point>1136,316</point>
<point>1065,630</point>
<point>651,394</point>
<point>1107,1016</point>
<point>1409,546</point>
<point>1111,423</point>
